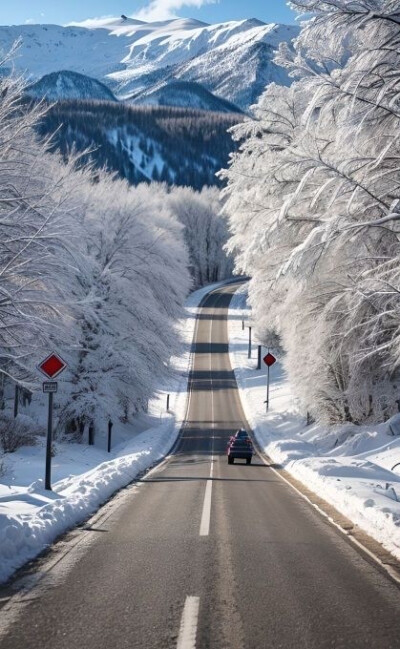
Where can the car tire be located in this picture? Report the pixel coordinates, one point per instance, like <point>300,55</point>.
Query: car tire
<point>248,461</point>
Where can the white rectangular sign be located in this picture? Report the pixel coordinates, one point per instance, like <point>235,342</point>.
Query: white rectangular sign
<point>50,386</point>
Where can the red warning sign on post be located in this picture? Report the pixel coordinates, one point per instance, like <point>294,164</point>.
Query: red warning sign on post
<point>269,359</point>
<point>52,366</point>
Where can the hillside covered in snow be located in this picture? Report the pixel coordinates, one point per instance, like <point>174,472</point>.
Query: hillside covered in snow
<point>65,84</point>
<point>186,94</point>
<point>233,60</point>
<point>178,146</point>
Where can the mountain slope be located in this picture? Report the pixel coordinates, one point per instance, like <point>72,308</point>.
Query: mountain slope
<point>256,58</point>
<point>174,145</point>
<point>232,60</point>
<point>186,94</point>
<point>65,84</point>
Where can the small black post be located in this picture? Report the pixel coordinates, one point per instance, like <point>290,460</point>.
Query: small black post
<point>168,402</point>
<point>91,434</point>
<point>48,443</point>
<point>16,399</point>
<point>259,357</point>
<point>267,402</point>
<point>242,324</point>
<point>110,425</point>
<point>249,354</point>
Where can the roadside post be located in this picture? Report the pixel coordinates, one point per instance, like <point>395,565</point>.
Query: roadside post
<point>16,400</point>
<point>269,360</point>
<point>110,425</point>
<point>249,353</point>
<point>51,367</point>
<point>91,434</point>
<point>168,396</point>
<point>259,357</point>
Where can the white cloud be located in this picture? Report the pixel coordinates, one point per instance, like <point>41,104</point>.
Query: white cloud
<point>30,21</point>
<point>164,9</point>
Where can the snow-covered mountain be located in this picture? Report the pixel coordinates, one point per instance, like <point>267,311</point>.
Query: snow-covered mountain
<point>186,94</point>
<point>69,85</point>
<point>233,60</point>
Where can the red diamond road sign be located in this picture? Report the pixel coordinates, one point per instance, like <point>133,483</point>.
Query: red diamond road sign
<point>269,359</point>
<point>52,366</point>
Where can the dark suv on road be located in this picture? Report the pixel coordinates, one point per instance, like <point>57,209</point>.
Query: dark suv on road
<point>240,447</point>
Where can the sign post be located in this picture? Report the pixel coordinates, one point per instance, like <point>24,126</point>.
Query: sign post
<point>47,482</point>
<point>249,352</point>
<point>16,400</point>
<point>269,360</point>
<point>51,367</point>
<point>259,357</point>
<point>110,425</point>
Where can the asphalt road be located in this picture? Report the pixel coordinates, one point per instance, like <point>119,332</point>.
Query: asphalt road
<point>208,555</point>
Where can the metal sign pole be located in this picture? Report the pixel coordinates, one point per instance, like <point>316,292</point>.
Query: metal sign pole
<point>269,360</point>
<point>249,354</point>
<point>48,444</point>
<point>259,357</point>
<point>51,367</point>
<point>16,400</point>
<point>110,425</point>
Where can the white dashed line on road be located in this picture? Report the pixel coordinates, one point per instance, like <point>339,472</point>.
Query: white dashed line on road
<point>189,621</point>
<point>206,515</point>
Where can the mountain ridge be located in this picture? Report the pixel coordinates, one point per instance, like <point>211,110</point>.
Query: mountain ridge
<point>232,60</point>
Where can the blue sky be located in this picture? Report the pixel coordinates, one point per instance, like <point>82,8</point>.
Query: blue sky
<point>49,11</point>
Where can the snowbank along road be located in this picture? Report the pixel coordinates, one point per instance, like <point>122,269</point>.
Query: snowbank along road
<point>201,554</point>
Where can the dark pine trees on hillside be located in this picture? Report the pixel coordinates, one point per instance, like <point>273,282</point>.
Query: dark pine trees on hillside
<point>140,143</point>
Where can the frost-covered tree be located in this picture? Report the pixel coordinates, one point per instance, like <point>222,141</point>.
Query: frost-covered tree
<point>129,295</point>
<point>314,196</point>
<point>36,232</point>
<point>206,232</point>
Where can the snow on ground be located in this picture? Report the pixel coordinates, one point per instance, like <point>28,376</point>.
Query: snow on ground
<point>349,466</point>
<point>85,477</point>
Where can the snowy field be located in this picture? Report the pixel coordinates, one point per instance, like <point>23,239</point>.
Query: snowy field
<point>351,467</point>
<point>84,476</point>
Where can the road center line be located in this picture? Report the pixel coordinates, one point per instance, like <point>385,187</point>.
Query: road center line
<point>206,515</point>
<point>189,621</point>
<point>211,371</point>
<point>212,401</point>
